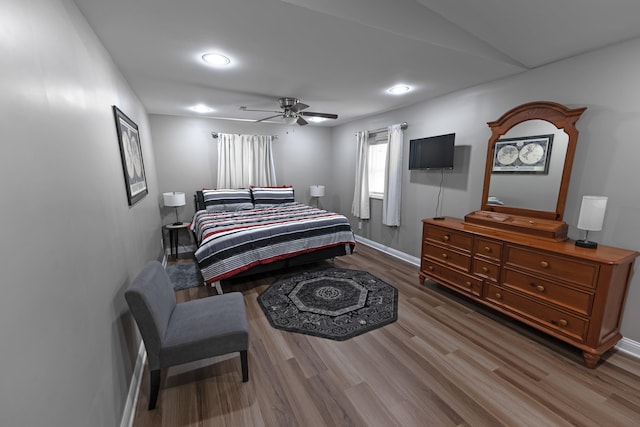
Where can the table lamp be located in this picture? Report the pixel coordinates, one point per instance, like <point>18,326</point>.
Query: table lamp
<point>591,218</point>
<point>316,191</point>
<point>174,199</point>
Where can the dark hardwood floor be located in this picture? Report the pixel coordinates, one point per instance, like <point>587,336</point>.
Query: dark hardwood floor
<point>445,362</point>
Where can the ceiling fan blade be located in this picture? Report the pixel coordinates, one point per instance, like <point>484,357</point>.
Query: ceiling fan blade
<point>325,115</point>
<point>299,107</point>
<point>264,111</point>
<point>267,118</point>
<point>291,110</point>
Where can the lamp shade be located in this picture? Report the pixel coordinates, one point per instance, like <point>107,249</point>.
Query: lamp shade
<point>174,199</point>
<point>316,190</point>
<point>592,213</point>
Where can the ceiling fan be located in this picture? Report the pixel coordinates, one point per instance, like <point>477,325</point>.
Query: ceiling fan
<point>292,112</point>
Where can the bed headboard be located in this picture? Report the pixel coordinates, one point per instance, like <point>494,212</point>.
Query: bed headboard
<point>198,201</point>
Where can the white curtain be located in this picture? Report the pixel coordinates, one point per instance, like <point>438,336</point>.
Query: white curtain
<point>245,160</point>
<point>393,179</point>
<point>360,205</point>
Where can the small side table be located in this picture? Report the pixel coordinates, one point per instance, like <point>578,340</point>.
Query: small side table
<point>174,232</point>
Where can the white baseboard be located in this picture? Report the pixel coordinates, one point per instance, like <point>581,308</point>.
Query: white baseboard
<point>129,411</point>
<point>629,346</point>
<point>389,251</point>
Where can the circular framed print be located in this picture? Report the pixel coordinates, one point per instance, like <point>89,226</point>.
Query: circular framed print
<point>531,153</point>
<point>507,154</point>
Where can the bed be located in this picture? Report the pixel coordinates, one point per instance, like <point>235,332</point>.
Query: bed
<point>250,231</point>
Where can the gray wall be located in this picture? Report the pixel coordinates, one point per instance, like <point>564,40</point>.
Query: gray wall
<point>187,156</point>
<point>70,242</point>
<point>605,81</point>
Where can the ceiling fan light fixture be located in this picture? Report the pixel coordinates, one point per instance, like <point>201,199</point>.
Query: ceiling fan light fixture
<point>289,119</point>
<point>399,89</point>
<point>292,113</point>
<point>216,59</point>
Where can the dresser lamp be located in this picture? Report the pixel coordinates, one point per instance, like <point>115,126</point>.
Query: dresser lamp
<point>174,199</point>
<point>591,218</point>
<point>316,191</point>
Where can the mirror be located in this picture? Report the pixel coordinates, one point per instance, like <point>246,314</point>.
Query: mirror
<point>529,160</point>
<point>542,189</point>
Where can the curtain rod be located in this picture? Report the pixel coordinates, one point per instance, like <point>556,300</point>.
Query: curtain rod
<point>403,126</point>
<point>214,135</point>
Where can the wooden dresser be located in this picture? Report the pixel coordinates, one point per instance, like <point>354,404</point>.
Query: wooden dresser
<point>574,294</point>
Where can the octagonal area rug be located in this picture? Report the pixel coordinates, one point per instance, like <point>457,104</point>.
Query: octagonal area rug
<point>335,303</point>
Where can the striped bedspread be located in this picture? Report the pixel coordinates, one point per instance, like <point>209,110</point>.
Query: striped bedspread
<point>231,242</point>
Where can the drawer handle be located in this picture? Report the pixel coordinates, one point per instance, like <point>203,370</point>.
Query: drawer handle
<point>538,287</point>
<point>468,284</point>
<point>487,249</point>
<point>498,295</point>
<point>562,322</point>
<point>544,264</point>
<point>430,268</point>
<point>485,269</point>
<point>445,256</point>
<point>446,238</point>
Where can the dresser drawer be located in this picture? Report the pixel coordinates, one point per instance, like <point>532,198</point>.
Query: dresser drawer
<point>567,324</point>
<point>486,269</point>
<point>459,280</point>
<point>459,240</point>
<point>570,298</point>
<point>447,256</point>
<point>574,271</point>
<point>488,248</point>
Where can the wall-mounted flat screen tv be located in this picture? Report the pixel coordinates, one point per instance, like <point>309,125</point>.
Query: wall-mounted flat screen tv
<point>434,152</point>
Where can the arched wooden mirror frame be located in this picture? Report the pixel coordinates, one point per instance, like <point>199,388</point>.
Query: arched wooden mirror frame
<point>545,224</point>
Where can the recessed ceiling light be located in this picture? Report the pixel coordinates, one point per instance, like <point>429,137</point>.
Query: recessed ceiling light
<point>201,108</point>
<point>216,59</point>
<point>398,89</point>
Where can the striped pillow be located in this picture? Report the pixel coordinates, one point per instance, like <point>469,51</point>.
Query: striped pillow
<point>271,196</point>
<point>226,200</point>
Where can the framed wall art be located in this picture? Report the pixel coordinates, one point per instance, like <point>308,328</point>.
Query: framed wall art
<point>527,154</point>
<point>131,152</point>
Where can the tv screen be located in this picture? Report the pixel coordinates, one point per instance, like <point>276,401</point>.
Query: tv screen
<point>435,152</point>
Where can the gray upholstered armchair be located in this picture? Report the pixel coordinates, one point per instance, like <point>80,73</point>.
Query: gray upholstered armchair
<point>180,333</point>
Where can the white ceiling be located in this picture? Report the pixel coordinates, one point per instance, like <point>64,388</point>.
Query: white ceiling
<point>340,56</point>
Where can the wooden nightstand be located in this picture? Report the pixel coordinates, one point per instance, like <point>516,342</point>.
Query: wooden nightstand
<point>174,232</point>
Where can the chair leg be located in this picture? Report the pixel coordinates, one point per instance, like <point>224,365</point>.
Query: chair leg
<point>155,387</point>
<point>245,366</point>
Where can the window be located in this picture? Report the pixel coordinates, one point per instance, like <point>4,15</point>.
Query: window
<point>377,167</point>
<point>245,160</point>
